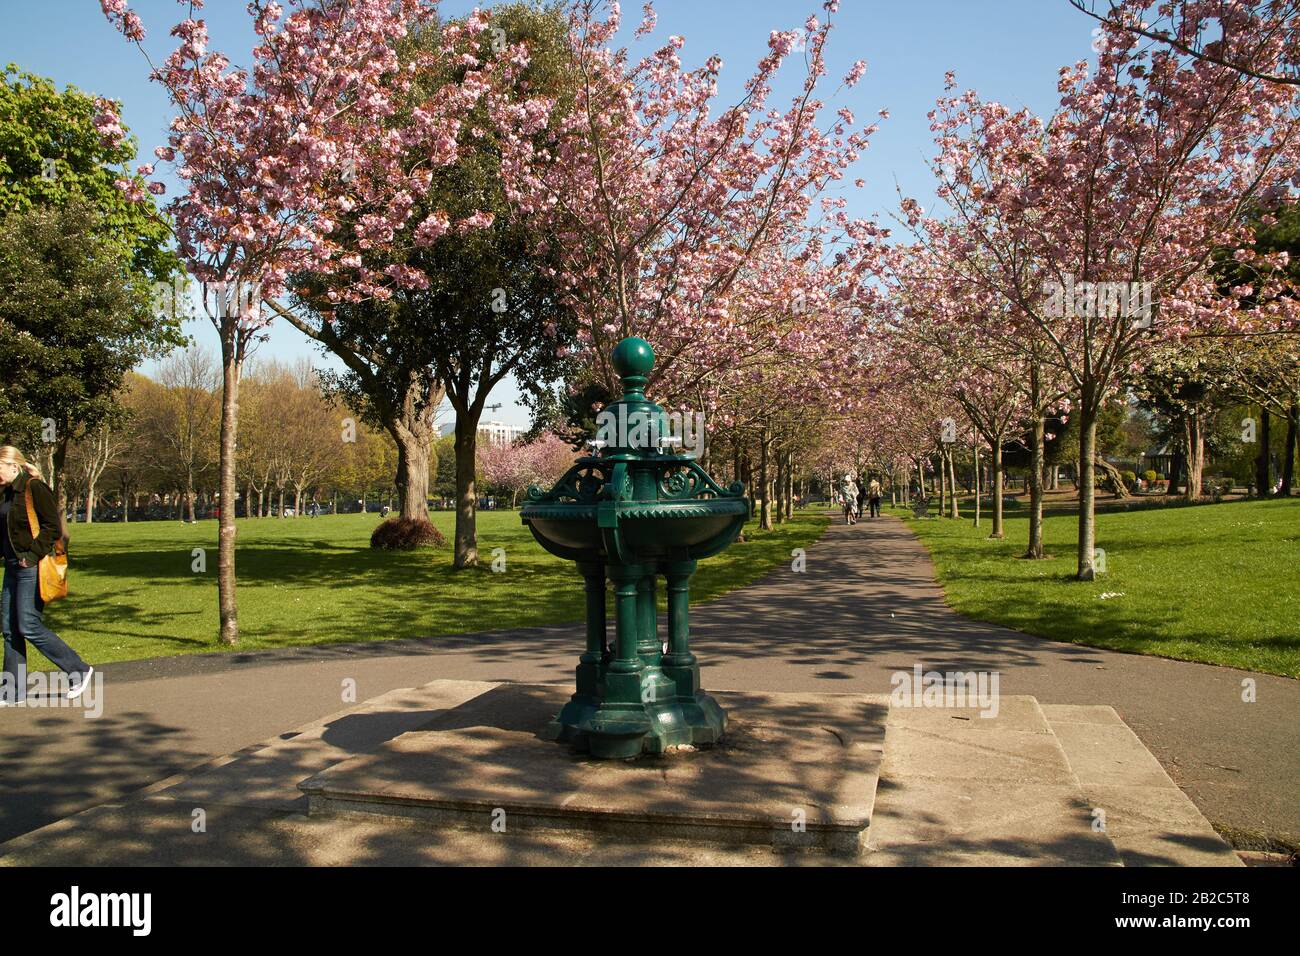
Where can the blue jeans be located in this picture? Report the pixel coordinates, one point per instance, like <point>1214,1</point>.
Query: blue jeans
<point>22,620</point>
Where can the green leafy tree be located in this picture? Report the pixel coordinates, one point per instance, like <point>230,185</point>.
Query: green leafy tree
<point>78,260</point>
<point>75,317</point>
<point>1062,448</point>
<point>1182,386</point>
<point>59,148</point>
<point>1264,369</point>
<point>444,482</point>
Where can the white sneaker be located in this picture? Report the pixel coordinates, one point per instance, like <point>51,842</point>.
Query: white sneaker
<point>80,689</point>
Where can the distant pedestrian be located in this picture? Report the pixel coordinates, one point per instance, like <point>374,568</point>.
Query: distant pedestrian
<point>29,531</point>
<point>873,496</point>
<point>849,495</point>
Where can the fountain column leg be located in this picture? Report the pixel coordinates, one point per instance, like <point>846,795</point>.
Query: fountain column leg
<point>679,653</point>
<point>658,691</point>
<point>627,583</point>
<point>619,723</point>
<point>593,574</point>
<point>586,699</point>
<point>701,712</point>
<point>648,646</point>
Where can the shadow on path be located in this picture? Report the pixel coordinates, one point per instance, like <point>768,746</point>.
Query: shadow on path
<point>866,608</point>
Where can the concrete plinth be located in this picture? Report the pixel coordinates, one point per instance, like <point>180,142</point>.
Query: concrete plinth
<point>489,764</point>
<point>420,776</point>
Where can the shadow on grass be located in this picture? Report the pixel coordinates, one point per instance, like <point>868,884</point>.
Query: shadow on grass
<point>299,591</point>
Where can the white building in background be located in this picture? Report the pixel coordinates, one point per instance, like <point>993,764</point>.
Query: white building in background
<point>495,433</point>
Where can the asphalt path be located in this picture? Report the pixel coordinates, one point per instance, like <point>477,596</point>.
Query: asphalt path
<point>865,608</point>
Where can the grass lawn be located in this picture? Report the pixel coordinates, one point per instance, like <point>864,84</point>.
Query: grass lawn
<point>316,581</point>
<point>1212,583</point>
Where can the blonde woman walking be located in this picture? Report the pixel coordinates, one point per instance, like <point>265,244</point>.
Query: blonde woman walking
<point>849,494</point>
<point>21,608</point>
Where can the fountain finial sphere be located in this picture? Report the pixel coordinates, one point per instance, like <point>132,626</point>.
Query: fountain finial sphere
<point>632,356</point>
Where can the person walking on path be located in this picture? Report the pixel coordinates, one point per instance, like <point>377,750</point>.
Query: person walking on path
<point>849,494</point>
<point>21,608</point>
<point>873,496</point>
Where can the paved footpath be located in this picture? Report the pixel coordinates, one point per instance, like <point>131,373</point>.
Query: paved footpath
<point>866,607</point>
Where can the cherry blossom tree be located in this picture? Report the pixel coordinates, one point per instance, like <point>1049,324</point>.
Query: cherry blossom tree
<point>699,228</point>
<point>1259,38</point>
<point>947,334</point>
<point>1151,163</point>
<point>276,155</point>
<point>514,466</point>
<point>483,307</point>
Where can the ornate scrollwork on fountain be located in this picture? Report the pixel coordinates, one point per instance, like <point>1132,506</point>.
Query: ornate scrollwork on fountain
<point>584,483</point>
<point>688,480</point>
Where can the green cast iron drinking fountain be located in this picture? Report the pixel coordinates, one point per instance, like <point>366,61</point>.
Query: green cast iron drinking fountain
<point>631,512</point>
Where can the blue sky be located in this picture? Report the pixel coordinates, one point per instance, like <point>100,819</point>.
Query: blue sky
<point>1009,50</point>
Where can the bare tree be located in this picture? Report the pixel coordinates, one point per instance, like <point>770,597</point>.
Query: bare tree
<point>183,424</point>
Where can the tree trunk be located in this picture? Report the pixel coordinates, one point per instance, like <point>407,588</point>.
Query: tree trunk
<point>1194,440</point>
<point>765,506</point>
<point>780,488</point>
<point>952,484</point>
<point>1263,473</point>
<point>90,502</point>
<point>943,485</point>
<point>789,480</point>
<point>1113,476</point>
<point>1087,490</point>
<point>1035,550</point>
<point>59,455</point>
<point>414,438</point>
<point>999,479</point>
<point>1288,463</point>
<point>232,358</point>
<point>466,551</point>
